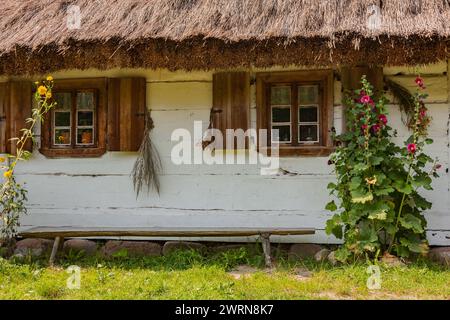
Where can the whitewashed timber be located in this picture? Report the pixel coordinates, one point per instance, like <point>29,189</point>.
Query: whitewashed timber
<point>98,191</point>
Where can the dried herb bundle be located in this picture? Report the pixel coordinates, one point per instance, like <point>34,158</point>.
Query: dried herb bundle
<point>148,163</point>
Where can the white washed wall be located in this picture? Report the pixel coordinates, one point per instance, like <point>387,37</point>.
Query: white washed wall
<point>98,191</point>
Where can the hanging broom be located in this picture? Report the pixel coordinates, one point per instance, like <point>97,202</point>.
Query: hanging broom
<point>148,163</point>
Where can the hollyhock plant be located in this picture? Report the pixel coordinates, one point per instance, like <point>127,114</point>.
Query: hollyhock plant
<point>379,209</point>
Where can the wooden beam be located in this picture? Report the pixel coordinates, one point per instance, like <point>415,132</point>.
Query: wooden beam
<point>73,232</point>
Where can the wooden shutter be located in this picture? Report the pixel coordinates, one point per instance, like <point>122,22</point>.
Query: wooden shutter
<point>126,107</point>
<point>231,101</point>
<point>18,109</point>
<point>4,103</point>
<point>351,77</point>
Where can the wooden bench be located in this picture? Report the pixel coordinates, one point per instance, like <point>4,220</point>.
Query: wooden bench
<point>59,233</point>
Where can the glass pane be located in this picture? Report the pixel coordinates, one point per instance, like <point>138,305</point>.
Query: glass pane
<point>280,95</point>
<point>62,136</point>
<point>62,119</point>
<point>308,94</point>
<point>63,101</point>
<point>284,133</point>
<point>85,100</point>
<point>307,114</point>
<point>308,133</point>
<point>85,136</point>
<point>85,118</point>
<point>281,114</point>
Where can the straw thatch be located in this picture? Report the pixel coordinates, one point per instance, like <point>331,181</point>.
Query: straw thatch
<point>208,34</point>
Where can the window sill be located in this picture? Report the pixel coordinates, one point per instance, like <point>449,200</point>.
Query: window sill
<point>306,151</point>
<point>72,153</point>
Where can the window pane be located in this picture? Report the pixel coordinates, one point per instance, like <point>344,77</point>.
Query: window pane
<point>62,119</point>
<point>308,133</point>
<point>307,114</point>
<point>284,133</point>
<point>85,136</point>
<point>308,94</point>
<point>281,114</point>
<point>63,101</point>
<point>62,136</point>
<point>85,100</point>
<point>85,118</point>
<point>280,95</point>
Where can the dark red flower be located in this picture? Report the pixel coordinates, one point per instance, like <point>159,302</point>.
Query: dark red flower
<point>412,148</point>
<point>419,82</point>
<point>365,99</point>
<point>376,128</point>
<point>364,127</point>
<point>383,119</point>
<point>437,166</point>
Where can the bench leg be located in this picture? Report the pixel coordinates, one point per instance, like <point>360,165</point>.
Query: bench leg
<point>56,244</point>
<point>265,239</point>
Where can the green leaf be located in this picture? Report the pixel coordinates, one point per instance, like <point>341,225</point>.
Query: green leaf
<point>428,141</point>
<point>411,222</point>
<point>383,191</point>
<point>402,187</point>
<point>361,197</point>
<point>333,226</point>
<point>331,185</point>
<point>331,206</point>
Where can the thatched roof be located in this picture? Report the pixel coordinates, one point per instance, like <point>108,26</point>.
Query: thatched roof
<point>220,33</point>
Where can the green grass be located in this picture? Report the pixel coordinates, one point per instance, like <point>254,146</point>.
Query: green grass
<point>190,275</point>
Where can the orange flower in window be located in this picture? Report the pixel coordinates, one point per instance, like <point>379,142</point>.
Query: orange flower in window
<point>49,78</point>
<point>2,159</point>
<point>48,95</point>
<point>42,90</point>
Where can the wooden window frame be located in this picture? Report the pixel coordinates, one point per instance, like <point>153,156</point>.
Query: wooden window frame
<point>99,87</point>
<point>322,78</point>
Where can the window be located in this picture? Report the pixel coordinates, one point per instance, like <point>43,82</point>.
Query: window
<point>76,126</point>
<point>296,108</point>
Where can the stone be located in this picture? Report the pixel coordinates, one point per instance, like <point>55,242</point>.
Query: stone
<point>171,246</point>
<point>302,274</point>
<point>322,255</point>
<point>391,260</point>
<point>114,248</point>
<point>301,251</point>
<point>87,247</point>
<point>242,271</point>
<point>332,258</point>
<point>34,247</point>
<point>440,255</point>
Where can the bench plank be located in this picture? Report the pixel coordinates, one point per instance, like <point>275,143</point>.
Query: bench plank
<point>68,232</point>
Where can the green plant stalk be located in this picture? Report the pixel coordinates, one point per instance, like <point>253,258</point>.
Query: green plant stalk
<point>415,134</point>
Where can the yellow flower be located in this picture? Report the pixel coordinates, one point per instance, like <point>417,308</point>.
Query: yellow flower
<point>2,159</point>
<point>371,181</point>
<point>48,95</point>
<point>42,90</point>
<point>7,174</point>
<point>49,78</point>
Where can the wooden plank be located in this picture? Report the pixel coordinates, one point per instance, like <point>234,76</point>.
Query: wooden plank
<point>68,232</point>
